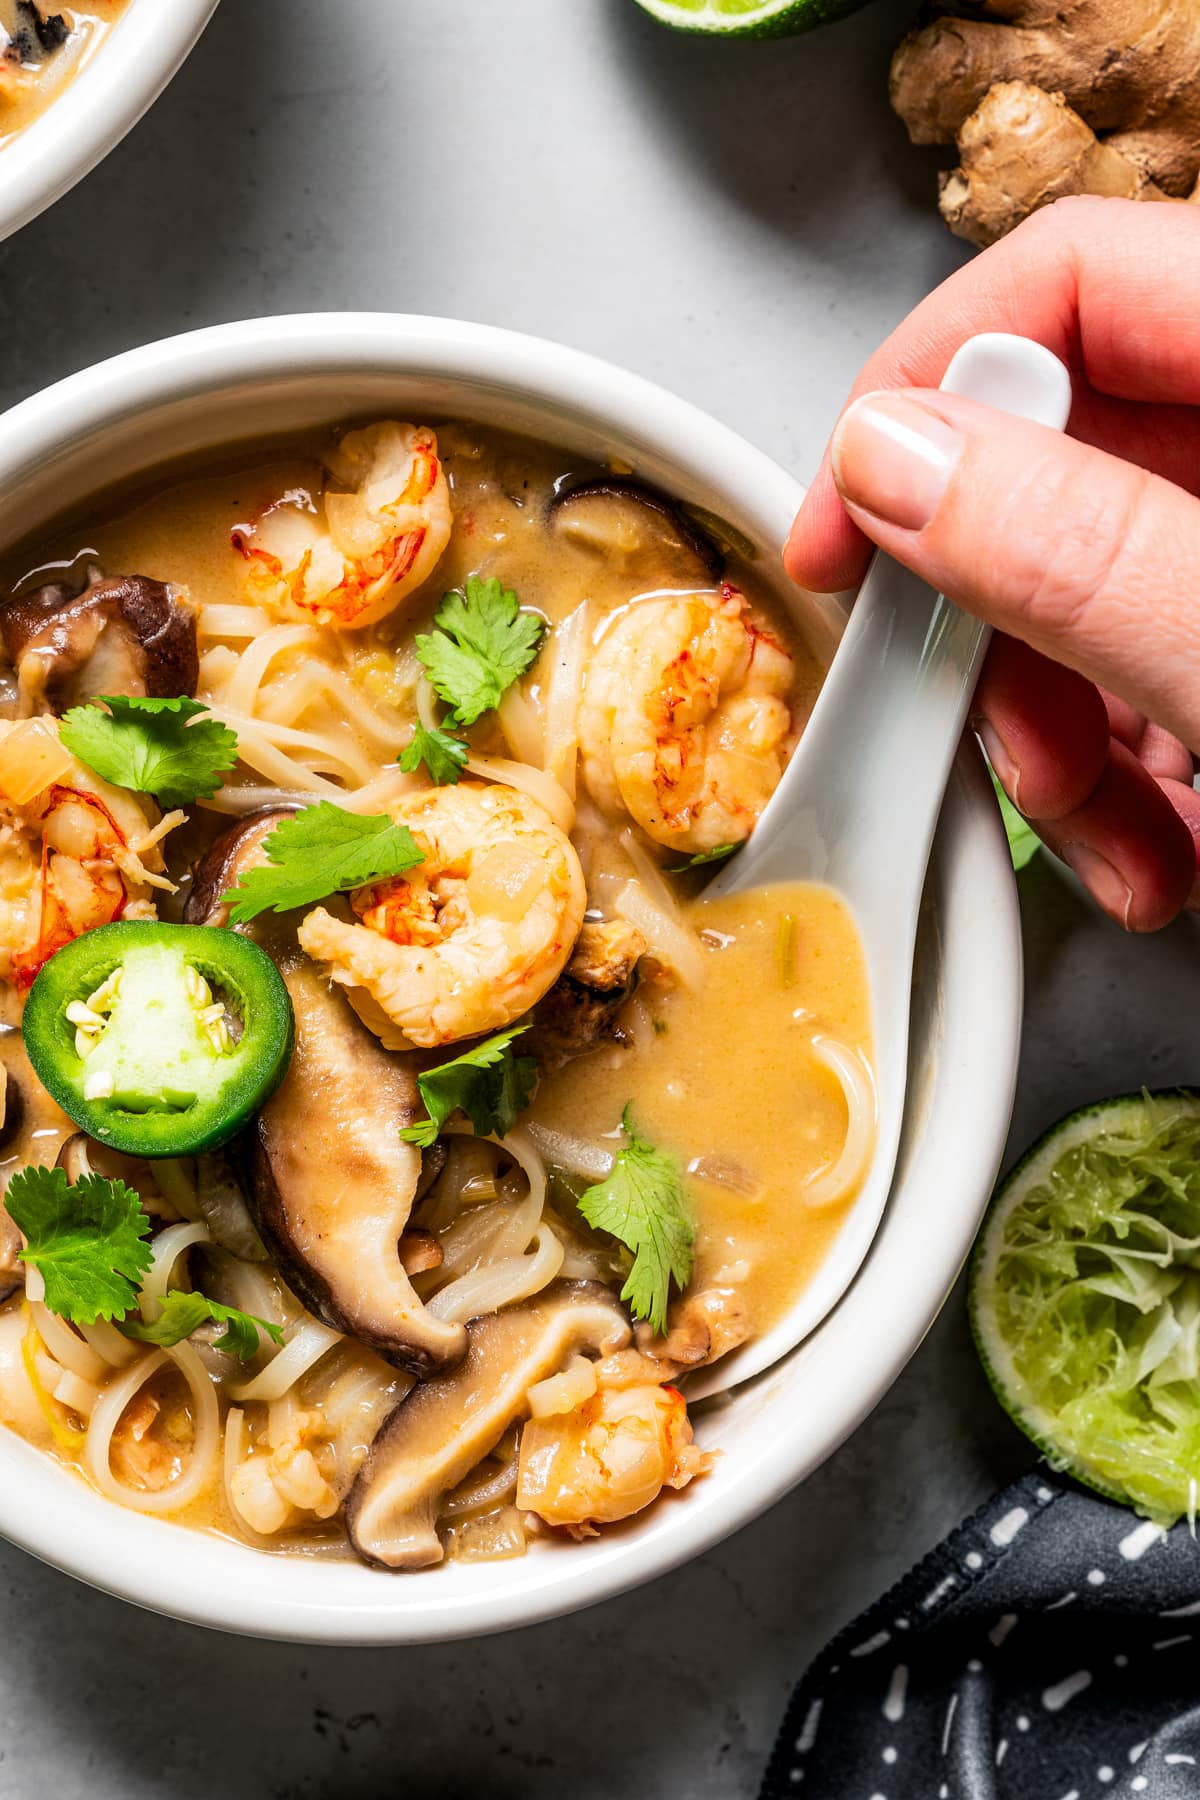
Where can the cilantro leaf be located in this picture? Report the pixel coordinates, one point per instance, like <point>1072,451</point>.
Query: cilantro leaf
<point>322,850</point>
<point>717,854</point>
<point>444,756</point>
<point>481,642</point>
<point>182,1313</point>
<point>643,1203</point>
<point>1023,841</point>
<point>152,746</point>
<point>87,1239</point>
<point>491,1085</point>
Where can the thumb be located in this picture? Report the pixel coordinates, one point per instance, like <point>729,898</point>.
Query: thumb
<point>1090,560</point>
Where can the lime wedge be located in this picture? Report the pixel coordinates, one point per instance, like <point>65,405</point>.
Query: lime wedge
<point>1085,1299</point>
<point>749,18</point>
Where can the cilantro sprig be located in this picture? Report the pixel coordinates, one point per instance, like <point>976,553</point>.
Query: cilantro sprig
<point>88,1241</point>
<point>480,644</point>
<point>445,757</point>
<point>160,747</point>
<point>321,851</point>
<point>644,1204</point>
<point>491,1085</point>
<point>181,1314</point>
<point>718,853</point>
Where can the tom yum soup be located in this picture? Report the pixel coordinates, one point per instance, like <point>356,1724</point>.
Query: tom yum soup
<point>390,1124</point>
<point>42,47</point>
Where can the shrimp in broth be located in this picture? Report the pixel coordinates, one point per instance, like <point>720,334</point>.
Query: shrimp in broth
<point>556,1130</point>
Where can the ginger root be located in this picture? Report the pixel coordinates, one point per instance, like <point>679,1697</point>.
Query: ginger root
<point>1051,97</point>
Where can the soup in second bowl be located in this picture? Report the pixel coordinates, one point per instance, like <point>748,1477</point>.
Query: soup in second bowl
<point>391,1122</point>
<point>42,49</point>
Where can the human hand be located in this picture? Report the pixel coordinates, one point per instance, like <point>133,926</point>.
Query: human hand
<point>1084,551</point>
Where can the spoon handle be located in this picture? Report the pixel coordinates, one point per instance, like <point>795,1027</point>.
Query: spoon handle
<point>897,695</point>
<point>858,805</point>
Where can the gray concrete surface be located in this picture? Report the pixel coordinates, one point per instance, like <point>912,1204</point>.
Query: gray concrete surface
<point>742,223</point>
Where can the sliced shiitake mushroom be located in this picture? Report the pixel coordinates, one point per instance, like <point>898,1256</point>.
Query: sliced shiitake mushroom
<point>29,32</point>
<point>581,1011</point>
<point>444,1427</point>
<point>229,856</point>
<point>333,1183</point>
<point>126,635</point>
<point>620,510</point>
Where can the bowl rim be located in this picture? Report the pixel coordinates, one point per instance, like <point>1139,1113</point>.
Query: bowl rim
<point>107,98</point>
<point>860,1348</point>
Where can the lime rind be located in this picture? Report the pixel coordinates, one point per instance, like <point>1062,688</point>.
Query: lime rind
<point>748,18</point>
<point>1085,1299</point>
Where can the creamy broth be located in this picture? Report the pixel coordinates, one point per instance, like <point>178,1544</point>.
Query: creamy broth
<point>780,965</point>
<point>737,1032</point>
<point>36,69</point>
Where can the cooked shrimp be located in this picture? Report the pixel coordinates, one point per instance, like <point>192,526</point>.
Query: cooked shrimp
<point>273,1489</point>
<point>350,556</point>
<point>606,1458</point>
<point>474,936</point>
<point>685,723</point>
<point>75,852</point>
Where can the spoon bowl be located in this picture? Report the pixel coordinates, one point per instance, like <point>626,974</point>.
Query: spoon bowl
<point>859,801</point>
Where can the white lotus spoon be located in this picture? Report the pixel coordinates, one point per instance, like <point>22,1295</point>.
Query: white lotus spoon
<point>859,801</point>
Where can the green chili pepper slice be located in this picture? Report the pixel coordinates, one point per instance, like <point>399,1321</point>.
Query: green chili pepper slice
<point>160,1040</point>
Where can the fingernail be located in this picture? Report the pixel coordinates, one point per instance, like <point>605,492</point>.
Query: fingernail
<point>1106,884</point>
<point>1007,772</point>
<point>893,456</point>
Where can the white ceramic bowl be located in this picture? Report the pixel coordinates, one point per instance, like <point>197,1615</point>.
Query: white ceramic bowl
<point>94,111</point>
<point>274,375</point>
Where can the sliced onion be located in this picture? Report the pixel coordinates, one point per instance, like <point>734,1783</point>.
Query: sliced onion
<point>562,1150</point>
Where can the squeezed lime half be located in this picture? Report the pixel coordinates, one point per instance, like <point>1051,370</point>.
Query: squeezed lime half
<point>749,18</point>
<point>1085,1299</point>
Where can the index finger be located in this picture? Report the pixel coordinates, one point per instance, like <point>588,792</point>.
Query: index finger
<point>1109,286</point>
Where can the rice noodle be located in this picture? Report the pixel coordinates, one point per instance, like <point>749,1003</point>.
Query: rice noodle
<point>242,689</point>
<point>535,782</point>
<point>857,1083</point>
<point>106,1416</point>
<point>168,1247</point>
<point>292,695</point>
<point>76,1394</point>
<point>566,660</point>
<point>306,1347</point>
<point>109,1344</point>
<point>509,1279</point>
<point>497,1253</point>
<point>66,1346</point>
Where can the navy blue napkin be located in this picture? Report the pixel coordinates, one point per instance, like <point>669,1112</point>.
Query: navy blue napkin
<point>1048,1650</point>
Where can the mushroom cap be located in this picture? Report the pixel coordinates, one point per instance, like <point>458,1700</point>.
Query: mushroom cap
<point>333,1183</point>
<point>444,1427</point>
<point>230,855</point>
<point>125,635</point>
<point>670,518</point>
